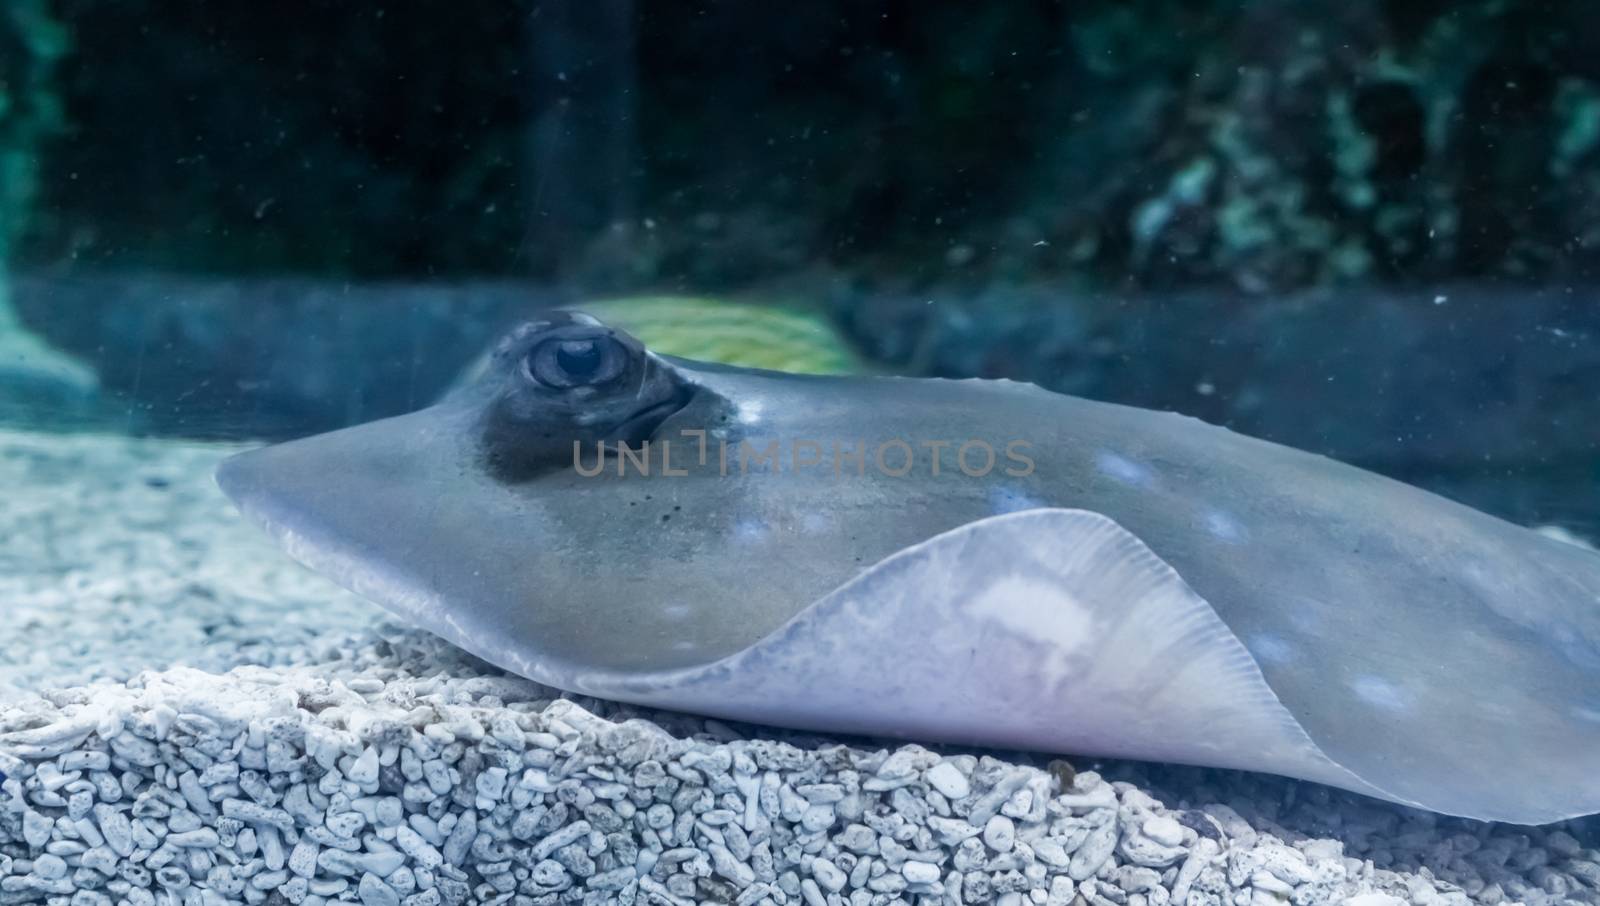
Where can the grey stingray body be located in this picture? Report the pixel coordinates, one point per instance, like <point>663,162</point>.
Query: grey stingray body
<point>1346,628</point>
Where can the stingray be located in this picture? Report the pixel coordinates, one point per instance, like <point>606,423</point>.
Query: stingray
<point>959,561</point>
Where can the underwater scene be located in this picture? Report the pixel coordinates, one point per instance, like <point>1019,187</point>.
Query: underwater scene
<point>558,452</point>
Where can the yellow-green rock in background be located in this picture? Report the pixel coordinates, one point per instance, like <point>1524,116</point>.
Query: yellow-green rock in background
<point>731,333</point>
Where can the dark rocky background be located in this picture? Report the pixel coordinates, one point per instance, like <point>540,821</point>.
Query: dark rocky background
<point>1257,144</point>
<point>1366,227</point>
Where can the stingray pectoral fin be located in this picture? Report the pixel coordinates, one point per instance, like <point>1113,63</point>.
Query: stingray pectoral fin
<point>1048,629</point>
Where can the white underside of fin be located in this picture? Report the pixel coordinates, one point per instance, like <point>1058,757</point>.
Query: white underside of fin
<point>1049,629</point>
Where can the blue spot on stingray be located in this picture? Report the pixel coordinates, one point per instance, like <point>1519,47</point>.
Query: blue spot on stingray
<point>1271,649</point>
<point>1574,647</point>
<point>1379,692</point>
<point>1306,615</point>
<point>750,531</point>
<point>1224,526</point>
<point>814,523</point>
<point>1010,500</point>
<point>1124,470</point>
<point>1584,712</point>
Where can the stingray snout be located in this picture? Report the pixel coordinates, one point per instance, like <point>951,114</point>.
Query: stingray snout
<point>370,480</point>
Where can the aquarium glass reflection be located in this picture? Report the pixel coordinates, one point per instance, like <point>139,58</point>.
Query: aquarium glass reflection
<point>852,454</point>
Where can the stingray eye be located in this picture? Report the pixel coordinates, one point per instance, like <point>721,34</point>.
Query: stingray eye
<point>577,362</point>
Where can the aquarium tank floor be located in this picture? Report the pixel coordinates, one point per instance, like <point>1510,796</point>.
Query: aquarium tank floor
<point>187,716</point>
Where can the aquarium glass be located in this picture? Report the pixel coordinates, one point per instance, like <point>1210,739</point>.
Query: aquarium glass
<point>841,453</point>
